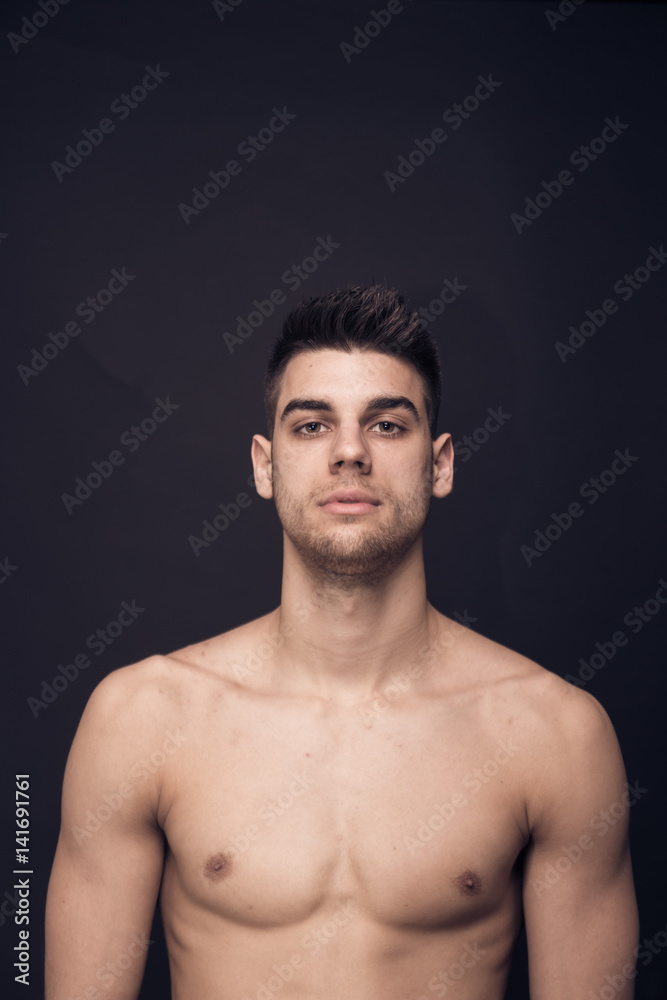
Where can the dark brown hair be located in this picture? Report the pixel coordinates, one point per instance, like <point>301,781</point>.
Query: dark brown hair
<point>357,318</point>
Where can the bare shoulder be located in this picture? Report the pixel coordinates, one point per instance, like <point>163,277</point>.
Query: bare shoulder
<point>130,709</point>
<point>573,764</point>
<point>555,717</point>
<point>130,691</point>
<point>170,685</point>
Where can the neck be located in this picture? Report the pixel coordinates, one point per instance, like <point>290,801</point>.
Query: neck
<point>344,639</point>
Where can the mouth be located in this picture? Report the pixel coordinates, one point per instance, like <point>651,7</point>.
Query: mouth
<point>350,502</point>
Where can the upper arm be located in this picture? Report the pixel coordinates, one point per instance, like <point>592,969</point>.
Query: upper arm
<point>108,864</point>
<point>579,900</point>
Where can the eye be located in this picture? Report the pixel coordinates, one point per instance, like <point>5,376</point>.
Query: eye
<point>385,428</point>
<point>309,429</point>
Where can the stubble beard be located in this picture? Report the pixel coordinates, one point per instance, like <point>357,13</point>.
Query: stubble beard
<point>350,553</point>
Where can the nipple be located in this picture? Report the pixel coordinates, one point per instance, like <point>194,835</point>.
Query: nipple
<point>217,866</point>
<point>468,882</point>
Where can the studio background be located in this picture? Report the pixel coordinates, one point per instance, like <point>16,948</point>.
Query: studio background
<point>221,73</point>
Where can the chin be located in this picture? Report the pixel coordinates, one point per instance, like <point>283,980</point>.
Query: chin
<point>358,557</point>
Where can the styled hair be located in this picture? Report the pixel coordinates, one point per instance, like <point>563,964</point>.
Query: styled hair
<point>357,318</point>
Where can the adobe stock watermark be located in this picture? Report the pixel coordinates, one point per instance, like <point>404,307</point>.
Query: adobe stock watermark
<point>312,943</point>
<point>473,442</point>
<point>363,36</point>
<point>111,802</point>
<point>454,117</point>
<point>474,781</point>
<point>450,292</point>
<point>582,157</point>
<point>212,528</point>
<point>447,978</point>
<point>249,148</point>
<point>256,659</point>
<point>401,682</point>
<point>7,569</point>
<point>602,822</point>
<point>635,620</point>
<point>132,439</point>
<point>9,905</point>
<point>88,309</point>
<point>625,287</point>
<point>122,107</point>
<point>30,25</point>
<point>566,9</point>
<point>97,642</point>
<point>653,947</point>
<point>293,278</point>
<point>222,7</point>
<point>646,952</point>
<point>591,491</point>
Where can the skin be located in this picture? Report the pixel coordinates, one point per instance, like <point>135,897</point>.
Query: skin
<point>352,796</point>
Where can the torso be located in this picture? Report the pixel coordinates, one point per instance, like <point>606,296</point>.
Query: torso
<point>322,852</point>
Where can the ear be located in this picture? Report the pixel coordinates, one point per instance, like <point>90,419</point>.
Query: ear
<point>260,453</point>
<point>443,465</point>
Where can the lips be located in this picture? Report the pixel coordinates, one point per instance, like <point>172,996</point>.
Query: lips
<point>350,503</point>
<point>351,497</point>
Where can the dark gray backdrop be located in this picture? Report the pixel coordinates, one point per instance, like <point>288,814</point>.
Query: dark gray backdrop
<point>552,81</point>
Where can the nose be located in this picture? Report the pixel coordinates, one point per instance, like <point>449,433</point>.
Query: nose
<point>349,450</point>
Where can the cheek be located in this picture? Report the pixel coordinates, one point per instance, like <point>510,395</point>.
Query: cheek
<point>288,463</point>
<point>297,459</point>
<point>416,469</point>
<point>291,481</point>
<point>284,462</point>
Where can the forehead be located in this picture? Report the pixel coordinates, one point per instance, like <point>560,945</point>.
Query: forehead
<point>349,377</point>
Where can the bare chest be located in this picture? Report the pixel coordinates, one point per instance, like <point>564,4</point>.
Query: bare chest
<point>273,813</point>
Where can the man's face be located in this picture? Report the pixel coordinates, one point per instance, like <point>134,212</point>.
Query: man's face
<point>352,462</point>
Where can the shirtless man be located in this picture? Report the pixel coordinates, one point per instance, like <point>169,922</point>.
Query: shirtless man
<point>353,797</point>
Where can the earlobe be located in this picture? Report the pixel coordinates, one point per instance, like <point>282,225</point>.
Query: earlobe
<point>443,465</point>
<point>260,452</point>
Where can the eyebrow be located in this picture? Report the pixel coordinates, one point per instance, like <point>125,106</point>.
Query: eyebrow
<point>376,403</point>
